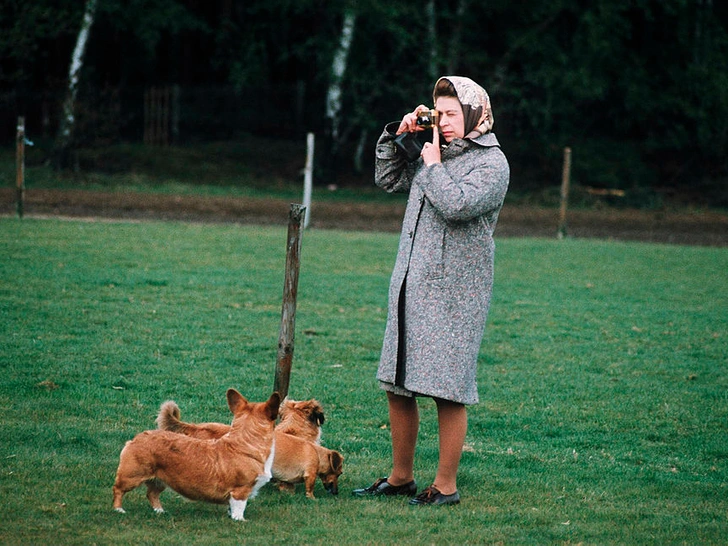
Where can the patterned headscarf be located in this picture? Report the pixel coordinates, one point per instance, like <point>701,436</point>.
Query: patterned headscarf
<point>476,105</point>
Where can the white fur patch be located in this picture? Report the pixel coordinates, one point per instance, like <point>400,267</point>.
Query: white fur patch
<point>267,474</point>
<point>237,509</point>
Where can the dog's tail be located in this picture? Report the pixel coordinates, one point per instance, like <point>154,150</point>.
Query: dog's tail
<point>169,417</point>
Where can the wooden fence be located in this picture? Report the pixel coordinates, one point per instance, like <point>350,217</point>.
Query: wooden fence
<point>161,115</point>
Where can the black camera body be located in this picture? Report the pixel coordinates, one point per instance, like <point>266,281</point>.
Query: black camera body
<point>409,145</point>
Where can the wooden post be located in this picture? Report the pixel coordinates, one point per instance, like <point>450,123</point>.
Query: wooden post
<point>157,105</point>
<point>308,178</point>
<point>147,116</point>
<point>290,292</point>
<point>164,94</point>
<point>174,123</point>
<point>565,182</point>
<point>20,166</point>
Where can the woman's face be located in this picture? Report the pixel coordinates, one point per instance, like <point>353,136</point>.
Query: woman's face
<point>452,121</point>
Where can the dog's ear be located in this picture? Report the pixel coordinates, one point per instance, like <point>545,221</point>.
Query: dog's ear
<point>236,401</point>
<point>317,418</point>
<point>336,460</point>
<point>317,412</point>
<point>272,405</point>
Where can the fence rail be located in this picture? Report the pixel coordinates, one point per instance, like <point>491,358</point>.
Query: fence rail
<point>162,115</point>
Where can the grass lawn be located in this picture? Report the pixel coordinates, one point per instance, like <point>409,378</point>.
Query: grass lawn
<point>603,382</point>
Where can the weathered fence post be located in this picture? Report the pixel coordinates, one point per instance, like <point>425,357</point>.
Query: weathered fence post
<point>20,166</point>
<point>157,115</point>
<point>290,292</point>
<point>148,129</point>
<point>174,123</point>
<point>565,182</point>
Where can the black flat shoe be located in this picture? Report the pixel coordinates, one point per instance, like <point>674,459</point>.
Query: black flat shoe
<point>382,487</point>
<point>431,496</point>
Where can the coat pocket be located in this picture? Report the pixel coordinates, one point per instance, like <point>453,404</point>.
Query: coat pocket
<point>438,253</point>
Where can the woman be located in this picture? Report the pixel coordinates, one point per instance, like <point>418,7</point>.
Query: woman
<point>441,284</point>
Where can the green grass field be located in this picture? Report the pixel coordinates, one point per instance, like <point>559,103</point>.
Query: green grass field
<point>603,382</point>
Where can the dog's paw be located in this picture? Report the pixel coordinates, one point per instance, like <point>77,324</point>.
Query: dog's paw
<point>120,510</point>
<point>286,487</point>
<point>159,510</point>
<point>237,509</point>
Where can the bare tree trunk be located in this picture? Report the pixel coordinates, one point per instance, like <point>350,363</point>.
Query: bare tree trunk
<point>65,130</point>
<point>338,68</point>
<point>332,138</point>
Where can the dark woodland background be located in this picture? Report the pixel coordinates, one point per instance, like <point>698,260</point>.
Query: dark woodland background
<point>637,88</point>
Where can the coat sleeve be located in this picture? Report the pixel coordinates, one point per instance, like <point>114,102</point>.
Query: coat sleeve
<point>391,170</point>
<point>474,194</point>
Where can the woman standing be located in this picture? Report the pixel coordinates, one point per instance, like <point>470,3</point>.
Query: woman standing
<point>441,284</point>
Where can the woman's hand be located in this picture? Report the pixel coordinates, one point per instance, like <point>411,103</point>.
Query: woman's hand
<point>431,150</point>
<point>409,121</point>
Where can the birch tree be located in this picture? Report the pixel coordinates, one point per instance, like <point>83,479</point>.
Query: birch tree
<point>338,69</point>
<point>66,126</point>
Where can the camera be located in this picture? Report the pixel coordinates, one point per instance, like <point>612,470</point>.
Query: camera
<point>428,119</point>
<point>409,145</point>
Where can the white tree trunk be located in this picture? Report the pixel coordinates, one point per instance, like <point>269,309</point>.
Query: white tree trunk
<point>338,68</point>
<point>67,120</point>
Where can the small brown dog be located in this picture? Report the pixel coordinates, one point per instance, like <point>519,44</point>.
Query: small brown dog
<point>229,469</point>
<point>302,418</point>
<point>298,460</point>
<point>298,457</point>
<point>298,418</point>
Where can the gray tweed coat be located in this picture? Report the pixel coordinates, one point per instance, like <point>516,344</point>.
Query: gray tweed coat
<point>440,289</point>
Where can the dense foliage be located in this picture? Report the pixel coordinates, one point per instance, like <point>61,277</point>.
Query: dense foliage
<point>638,88</point>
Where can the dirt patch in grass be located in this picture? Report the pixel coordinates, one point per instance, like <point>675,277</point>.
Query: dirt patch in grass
<point>692,228</point>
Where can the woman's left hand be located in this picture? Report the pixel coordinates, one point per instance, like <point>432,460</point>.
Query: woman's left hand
<point>431,150</point>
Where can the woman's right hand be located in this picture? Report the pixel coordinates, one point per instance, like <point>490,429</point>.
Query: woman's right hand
<point>409,121</point>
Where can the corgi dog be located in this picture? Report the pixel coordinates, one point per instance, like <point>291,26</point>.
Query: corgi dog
<point>298,456</point>
<point>298,418</point>
<point>230,469</point>
<point>298,460</point>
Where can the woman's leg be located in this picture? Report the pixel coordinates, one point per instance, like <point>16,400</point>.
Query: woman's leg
<point>453,422</point>
<point>404,422</point>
